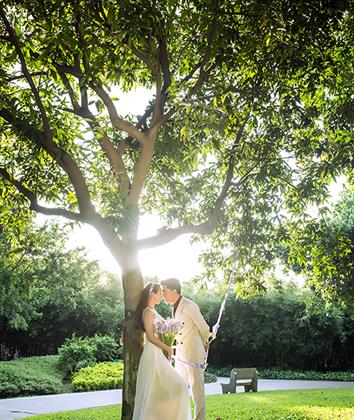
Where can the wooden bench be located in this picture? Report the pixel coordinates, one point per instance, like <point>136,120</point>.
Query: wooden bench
<point>246,377</point>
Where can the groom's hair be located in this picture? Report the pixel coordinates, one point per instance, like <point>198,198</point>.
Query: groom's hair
<point>171,284</point>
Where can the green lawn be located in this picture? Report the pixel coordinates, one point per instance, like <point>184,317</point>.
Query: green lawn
<point>318,404</point>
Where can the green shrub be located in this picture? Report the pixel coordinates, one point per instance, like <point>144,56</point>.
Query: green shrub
<point>17,380</point>
<point>106,348</point>
<point>80,352</point>
<point>276,373</point>
<point>105,375</point>
<point>209,378</point>
<point>74,352</point>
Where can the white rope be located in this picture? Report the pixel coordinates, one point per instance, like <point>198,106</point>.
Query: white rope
<point>222,307</point>
<point>221,311</point>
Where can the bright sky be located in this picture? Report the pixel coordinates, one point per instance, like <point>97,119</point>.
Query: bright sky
<point>176,259</point>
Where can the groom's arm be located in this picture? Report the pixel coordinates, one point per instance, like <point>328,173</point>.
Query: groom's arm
<point>199,321</point>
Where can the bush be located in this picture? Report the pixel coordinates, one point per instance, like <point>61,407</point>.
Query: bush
<point>106,348</point>
<point>79,352</point>
<point>18,380</point>
<point>276,373</point>
<point>209,378</point>
<point>76,352</point>
<point>305,375</point>
<point>105,375</point>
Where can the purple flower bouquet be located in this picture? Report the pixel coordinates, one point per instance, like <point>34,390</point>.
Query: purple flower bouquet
<point>167,330</point>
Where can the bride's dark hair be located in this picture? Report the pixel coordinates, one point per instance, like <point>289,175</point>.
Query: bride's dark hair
<point>143,303</point>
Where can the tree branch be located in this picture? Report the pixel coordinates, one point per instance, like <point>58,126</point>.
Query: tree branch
<point>113,154</point>
<point>203,74</point>
<point>70,90</point>
<point>34,202</point>
<point>141,170</point>
<point>128,141</point>
<point>117,164</point>
<point>169,235</point>
<point>116,120</point>
<point>22,76</point>
<point>208,227</point>
<point>159,101</point>
<point>5,38</point>
<point>64,160</point>
<point>145,58</point>
<point>165,65</point>
<point>208,50</point>
<point>73,70</point>
<point>14,41</point>
<point>161,90</point>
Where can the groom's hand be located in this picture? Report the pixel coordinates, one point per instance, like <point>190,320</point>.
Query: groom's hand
<point>213,333</point>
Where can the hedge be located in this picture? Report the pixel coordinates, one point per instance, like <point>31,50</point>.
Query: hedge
<point>105,375</point>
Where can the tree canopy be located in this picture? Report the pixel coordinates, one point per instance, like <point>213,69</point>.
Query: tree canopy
<point>323,250</point>
<point>252,105</point>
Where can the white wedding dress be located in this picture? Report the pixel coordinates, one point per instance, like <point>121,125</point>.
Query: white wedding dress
<point>161,393</point>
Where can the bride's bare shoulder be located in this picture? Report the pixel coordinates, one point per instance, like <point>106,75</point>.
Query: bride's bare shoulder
<point>148,310</point>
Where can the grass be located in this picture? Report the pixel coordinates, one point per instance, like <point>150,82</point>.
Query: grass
<point>321,404</point>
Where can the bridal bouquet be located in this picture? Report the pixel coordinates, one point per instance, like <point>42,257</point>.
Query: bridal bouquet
<point>167,330</point>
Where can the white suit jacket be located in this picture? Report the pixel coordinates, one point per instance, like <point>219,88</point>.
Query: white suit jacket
<point>194,332</point>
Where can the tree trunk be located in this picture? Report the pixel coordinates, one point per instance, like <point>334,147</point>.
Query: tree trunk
<point>133,283</point>
<point>133,340</point>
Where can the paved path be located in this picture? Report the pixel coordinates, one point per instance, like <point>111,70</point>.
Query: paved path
<point>14,408</point>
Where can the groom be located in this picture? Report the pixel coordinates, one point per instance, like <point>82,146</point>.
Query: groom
<point>191,342</point>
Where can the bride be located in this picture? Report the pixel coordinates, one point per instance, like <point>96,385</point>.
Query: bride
<point>161,394</point>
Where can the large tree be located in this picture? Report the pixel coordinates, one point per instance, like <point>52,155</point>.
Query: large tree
<point>249,116</point>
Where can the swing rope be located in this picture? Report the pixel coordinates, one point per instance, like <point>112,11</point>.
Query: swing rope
<point>215,327</point>
<point>221,311</point>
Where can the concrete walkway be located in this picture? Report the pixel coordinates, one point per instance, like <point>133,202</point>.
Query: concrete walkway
<point>14,408</point>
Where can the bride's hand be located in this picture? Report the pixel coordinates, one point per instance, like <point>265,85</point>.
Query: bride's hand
<point>170,352</point>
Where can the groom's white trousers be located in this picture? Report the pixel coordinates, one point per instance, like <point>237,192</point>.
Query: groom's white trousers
<point>195,379</point>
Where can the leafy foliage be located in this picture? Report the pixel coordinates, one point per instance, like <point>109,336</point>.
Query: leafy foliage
<point>30,376</point>
<point>79,352</point>
<point>276,373</point>
<point>105,375</point>
<point>323,250</point>
<point>284,327</point>
<point>259,92</point>
<point>50,292</point>
<point>76,353</point>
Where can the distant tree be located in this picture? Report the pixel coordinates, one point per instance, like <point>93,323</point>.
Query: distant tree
<point>250,115</point>
<point>49,292</point>
<point>323,250</point>
<point>21,253</point>
<point>285,327</point>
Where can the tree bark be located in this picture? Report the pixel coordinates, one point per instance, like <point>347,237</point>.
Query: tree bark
<point>133,340</point>
<point>126,254</point>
